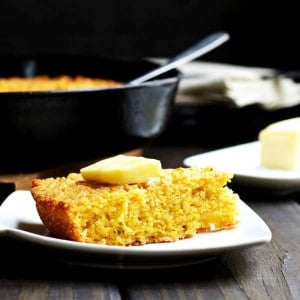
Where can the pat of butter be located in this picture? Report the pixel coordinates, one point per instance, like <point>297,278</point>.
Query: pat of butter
<point>123,169</point>
<point>280,145</point>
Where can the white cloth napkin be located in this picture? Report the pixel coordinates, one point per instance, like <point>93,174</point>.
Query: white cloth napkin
<point>206,83</point>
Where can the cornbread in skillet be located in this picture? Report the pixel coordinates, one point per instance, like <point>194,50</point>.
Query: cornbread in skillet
<point>175,205</point>
<point>46,83</point>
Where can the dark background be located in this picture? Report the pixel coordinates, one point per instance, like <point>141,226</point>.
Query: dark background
<point>263,33</point>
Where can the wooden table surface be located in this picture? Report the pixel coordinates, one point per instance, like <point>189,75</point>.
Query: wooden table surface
<point>267,271</point>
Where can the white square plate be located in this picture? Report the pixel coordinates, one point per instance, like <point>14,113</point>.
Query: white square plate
<point>19,219</point>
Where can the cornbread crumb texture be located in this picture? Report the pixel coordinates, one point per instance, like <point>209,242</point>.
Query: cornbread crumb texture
<point>176,205</point>
<point>280,145</point>
<point>122,169</point>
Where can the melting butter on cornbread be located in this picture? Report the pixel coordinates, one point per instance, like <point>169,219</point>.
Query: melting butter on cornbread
<point>169,205</point>
<point>122,169</point>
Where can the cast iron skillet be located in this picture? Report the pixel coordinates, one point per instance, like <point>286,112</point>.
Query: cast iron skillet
<point>44,129</point>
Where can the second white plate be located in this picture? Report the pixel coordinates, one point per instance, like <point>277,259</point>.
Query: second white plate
<point>244,162</point>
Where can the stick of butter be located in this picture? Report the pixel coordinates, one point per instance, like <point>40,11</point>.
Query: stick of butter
<point>280,145</point>
<point>123,169</point>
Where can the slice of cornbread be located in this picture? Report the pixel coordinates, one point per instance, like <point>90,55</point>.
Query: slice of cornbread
<point>280,145</point>
<point>122,169</point>
<point>175,205</point>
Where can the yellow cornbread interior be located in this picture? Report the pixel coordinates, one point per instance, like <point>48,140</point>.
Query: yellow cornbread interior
<point>280,145</point>
<point>122,169</point>
<point>176,205</point>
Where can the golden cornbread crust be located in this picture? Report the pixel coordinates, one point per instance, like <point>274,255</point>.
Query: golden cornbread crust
<point>177,205</point>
